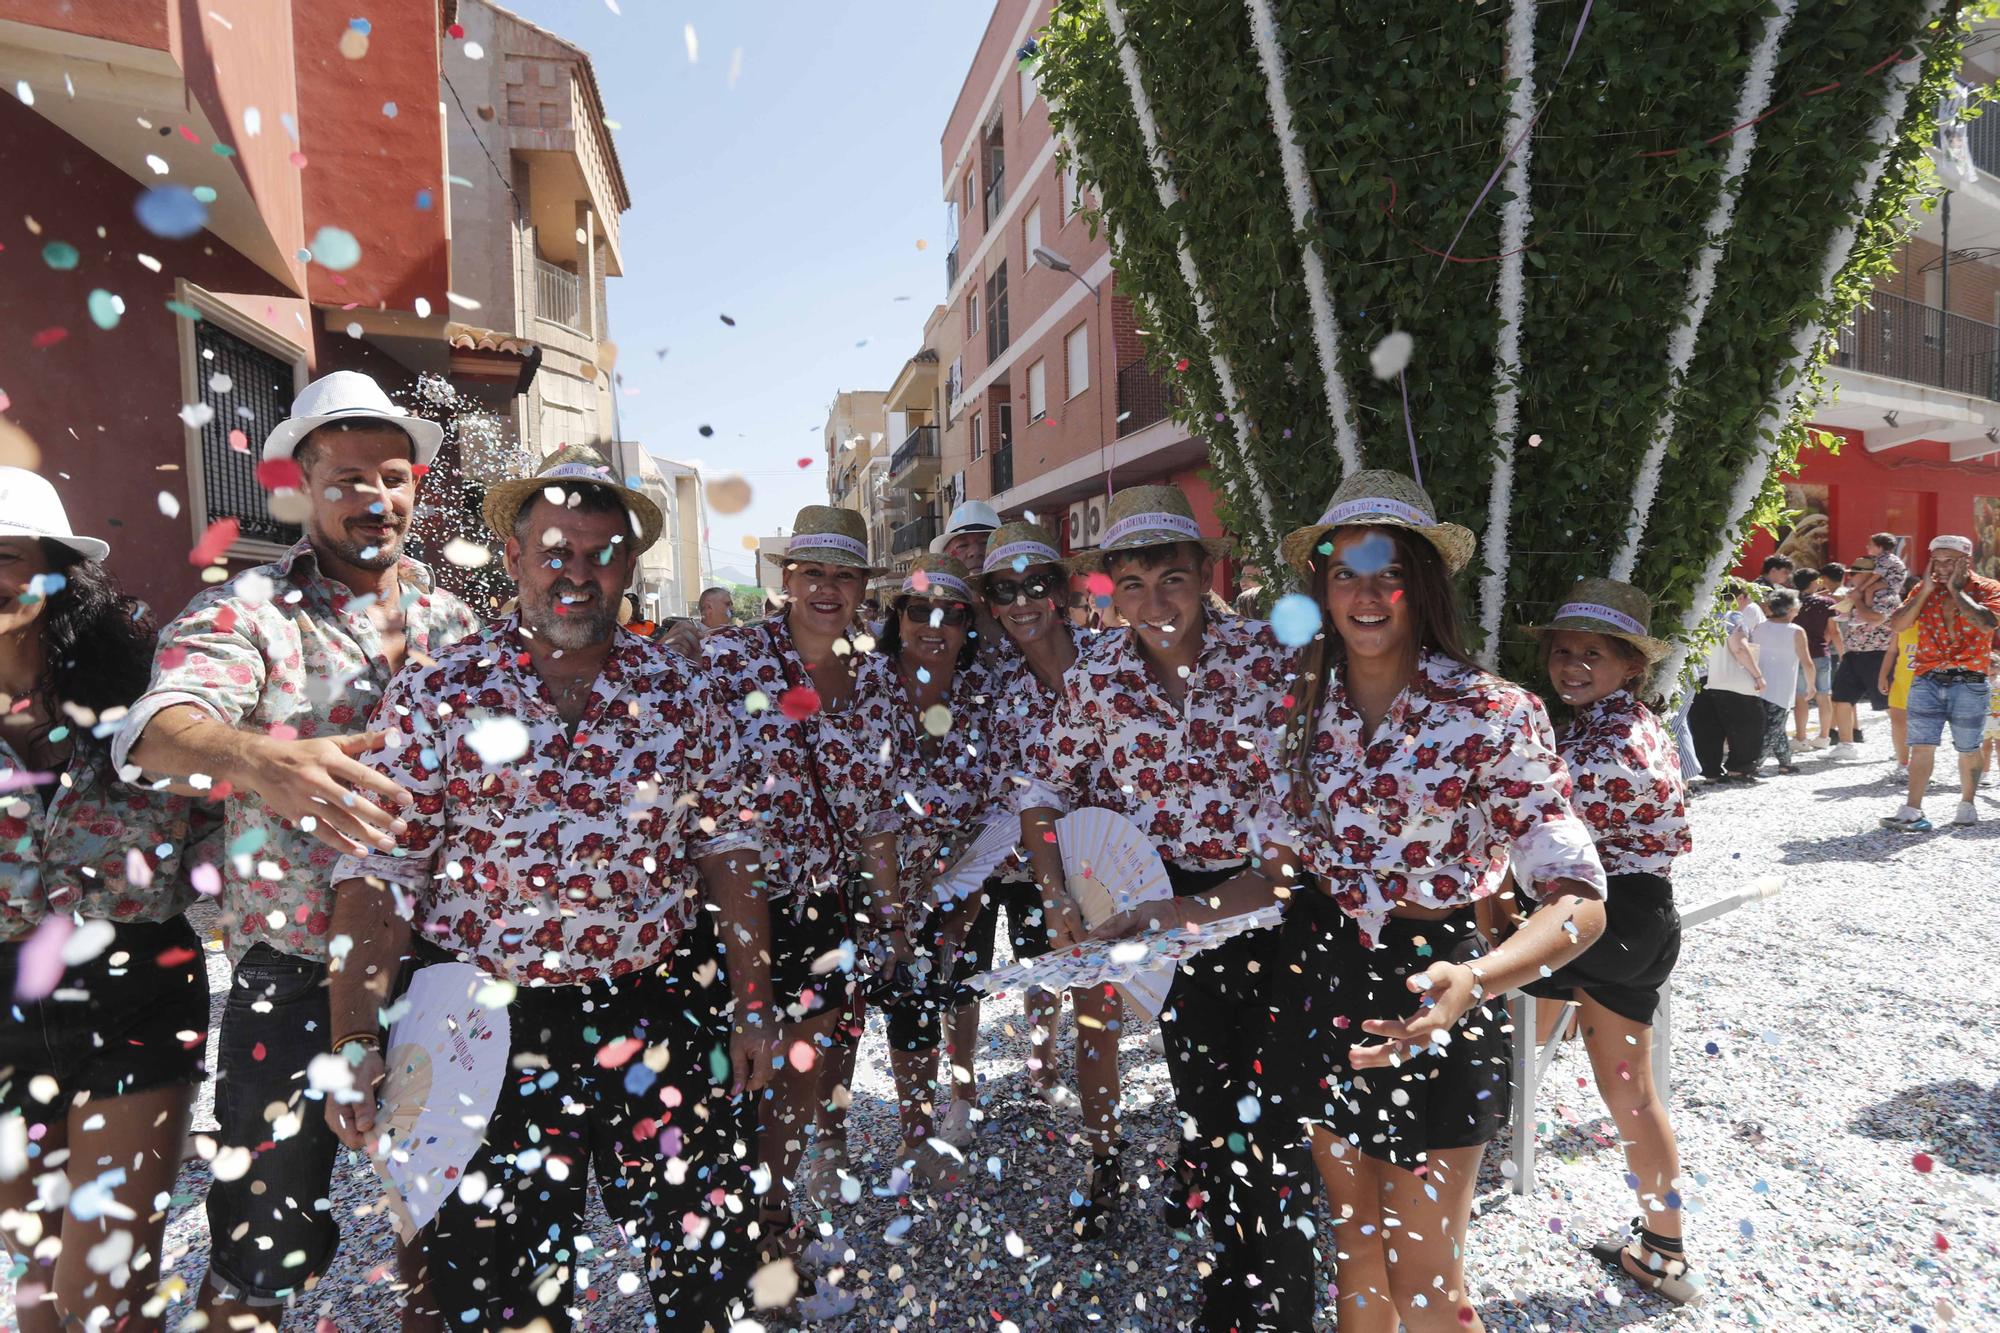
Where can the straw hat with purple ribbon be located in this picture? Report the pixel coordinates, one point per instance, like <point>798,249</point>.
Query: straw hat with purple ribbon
<point>940,577</point>
<point>1141,516</point>
<point>1015,547</point>
<point>1378,498</point>
<point>826,535</point>
<point>1608,607</point>
<point>567,468</point>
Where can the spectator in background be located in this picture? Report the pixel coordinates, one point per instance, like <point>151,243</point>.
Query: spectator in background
<point>1899,666</point>
<point>1955,612</point>
<point>718,609</point>
<point>1863,612</point>
<point>1989,758</point>
<point>1786,657</point>
<point>1250,594</point>
<point>1727,717</point>
<point>1815,617</point>
<point>1777,572</point>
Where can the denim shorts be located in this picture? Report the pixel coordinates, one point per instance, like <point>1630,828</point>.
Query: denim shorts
<point>1961,702</point>
<point>1822,681</point>
<point>272,1228</point>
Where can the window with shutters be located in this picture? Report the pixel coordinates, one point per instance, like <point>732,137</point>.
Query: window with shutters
<point>239,380</point>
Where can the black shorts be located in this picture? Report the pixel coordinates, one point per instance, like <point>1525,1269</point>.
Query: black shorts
<point>812,953</point>
<point>1855,679</point>
<point>1327,984</point>
<point>106,1031</point>
<point>1632,960</point>
<point>915,1017</point>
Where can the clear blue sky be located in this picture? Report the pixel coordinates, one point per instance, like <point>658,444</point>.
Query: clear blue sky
<point>792,202</point>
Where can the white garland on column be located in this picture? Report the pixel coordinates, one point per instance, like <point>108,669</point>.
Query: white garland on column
<point>1149,129</point>
<point>1298,192</point>
<point>1902,77</point>
<point>1751,103</point>
<point>1507,348</point>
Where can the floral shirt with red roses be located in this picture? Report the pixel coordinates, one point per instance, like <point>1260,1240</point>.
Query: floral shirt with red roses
<point>285,650</point>
<point>1626,775</point>
<point>574,859</point>
<point>813,787</point>
<point>87,843</point>
<point>1462,778</point>
<point>1190,776</point>
<point>944,787</point>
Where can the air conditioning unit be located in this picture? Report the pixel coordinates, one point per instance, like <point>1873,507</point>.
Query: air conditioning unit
<point>1086,523</point>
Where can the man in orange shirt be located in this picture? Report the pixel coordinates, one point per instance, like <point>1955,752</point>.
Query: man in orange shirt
<point>1955,612</point>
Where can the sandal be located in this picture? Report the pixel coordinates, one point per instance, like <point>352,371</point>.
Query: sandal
<point>1093,1217</point>
<point>1660,1271</point>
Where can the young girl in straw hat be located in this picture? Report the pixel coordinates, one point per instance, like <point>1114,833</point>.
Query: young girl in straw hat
<point>1628,788</point>
<point>1170,722</point>
<point>1410,781</point>
<point>813,712</point>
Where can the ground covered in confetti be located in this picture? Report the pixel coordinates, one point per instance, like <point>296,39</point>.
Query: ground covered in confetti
<point>1834,1058</point>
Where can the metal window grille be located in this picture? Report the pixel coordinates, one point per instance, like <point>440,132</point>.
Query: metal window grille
<point>257,397</point>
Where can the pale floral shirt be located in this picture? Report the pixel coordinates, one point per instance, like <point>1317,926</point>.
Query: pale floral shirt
<point>284,650</point>
<point>1461,779</point>
<point>571,860</point>
<point>1189,775</point>
<point>1625,774</point>
<point>81,841</point>
<point>944,787</point>
<point>812,789</point>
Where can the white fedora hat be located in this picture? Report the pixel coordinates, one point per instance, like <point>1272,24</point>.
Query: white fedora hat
<point>30,507</point>
<point>972,516</point>
<point>349,395</point>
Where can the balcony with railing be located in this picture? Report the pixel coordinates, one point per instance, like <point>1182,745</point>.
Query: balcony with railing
<point>1143,397</point>
<point>1983,136</point>
<point>916,535</point>
<point>916,458</point>
<point>1907,340</point>
<point>996,194</point>
<point>951,267</point>
<point>1003,467</point>
<point>559,296</point>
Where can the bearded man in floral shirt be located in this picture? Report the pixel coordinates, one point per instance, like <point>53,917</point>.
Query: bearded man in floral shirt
<point>566,780</point>
<point>260,698</point>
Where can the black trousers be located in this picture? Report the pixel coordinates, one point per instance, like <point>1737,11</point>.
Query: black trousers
<point>1724,722</point>
<point>670,1148</point>
<point>1212,1026</point>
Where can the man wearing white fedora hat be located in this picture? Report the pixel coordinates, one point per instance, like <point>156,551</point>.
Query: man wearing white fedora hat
<point>261,694</point>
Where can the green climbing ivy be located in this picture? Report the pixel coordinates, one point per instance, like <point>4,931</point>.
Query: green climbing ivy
<point>1401,112</point>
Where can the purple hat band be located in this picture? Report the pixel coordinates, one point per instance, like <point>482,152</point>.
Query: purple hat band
<point>1375,506</point>
<point>826,541</point>
<point>1592,611</point>
<point>1025,553</point>
<point>1176,523</point>
<point>949,584</point>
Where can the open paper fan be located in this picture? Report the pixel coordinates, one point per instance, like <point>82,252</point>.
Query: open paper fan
<point>1615,241</point>
<point>1109,863</point>
<point>446,1060</point>
<point>1142,967</point>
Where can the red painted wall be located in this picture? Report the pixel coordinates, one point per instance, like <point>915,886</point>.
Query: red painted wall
<point>1915,491</point>
<point>153,24</point>
<point>363,168</point>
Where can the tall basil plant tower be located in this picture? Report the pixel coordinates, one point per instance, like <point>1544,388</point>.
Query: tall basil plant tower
<point>1618,239</point>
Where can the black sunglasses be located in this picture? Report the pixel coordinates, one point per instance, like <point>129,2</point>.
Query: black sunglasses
<point>1002,592</point>
<point>954,614</point>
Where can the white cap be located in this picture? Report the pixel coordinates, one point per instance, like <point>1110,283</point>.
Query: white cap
<point>30,507</point>
<point>972,516</point>
<point>349,395</point>
<point>1950,542</point>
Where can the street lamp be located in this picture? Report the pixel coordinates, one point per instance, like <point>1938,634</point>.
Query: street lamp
<point>1061,265</point>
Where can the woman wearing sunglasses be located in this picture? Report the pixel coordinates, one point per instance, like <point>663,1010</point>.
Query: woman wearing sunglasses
<point>944,779</point>
<point>1027,591</point>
